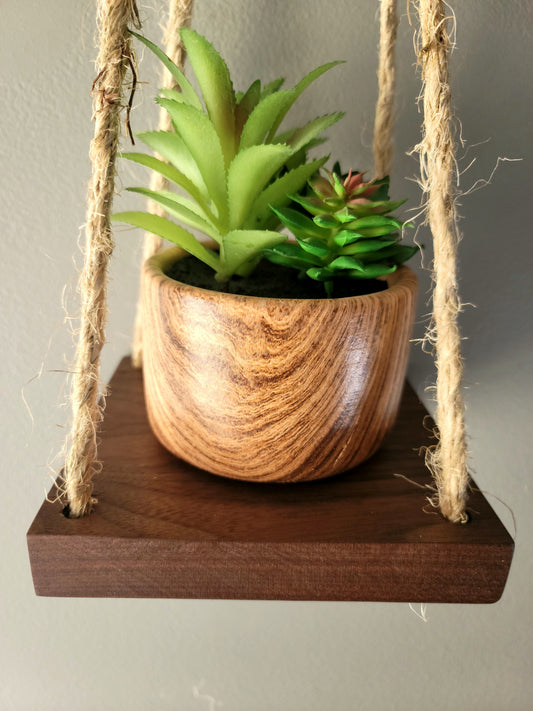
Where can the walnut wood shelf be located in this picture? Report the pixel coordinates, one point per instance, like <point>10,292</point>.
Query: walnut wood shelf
<point>163,529</point>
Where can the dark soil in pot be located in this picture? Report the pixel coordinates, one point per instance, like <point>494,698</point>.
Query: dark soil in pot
<point>270,281</point>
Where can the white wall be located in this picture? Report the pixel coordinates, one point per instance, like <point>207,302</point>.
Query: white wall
<point>136,655</point>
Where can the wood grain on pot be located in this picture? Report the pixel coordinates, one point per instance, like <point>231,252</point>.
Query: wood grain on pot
<point>273,389</point>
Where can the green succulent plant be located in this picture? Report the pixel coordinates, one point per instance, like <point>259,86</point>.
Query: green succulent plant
<point>226,154</point>
<point>343,229</point>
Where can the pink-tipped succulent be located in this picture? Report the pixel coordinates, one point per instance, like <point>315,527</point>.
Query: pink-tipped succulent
<point>349,232</point>
<point>351,190</point>
<point>348,194</point>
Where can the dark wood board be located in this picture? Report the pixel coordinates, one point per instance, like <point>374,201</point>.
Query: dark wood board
<point>163,529</point>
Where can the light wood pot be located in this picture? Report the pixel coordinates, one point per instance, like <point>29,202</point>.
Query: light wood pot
<point>272,389</point>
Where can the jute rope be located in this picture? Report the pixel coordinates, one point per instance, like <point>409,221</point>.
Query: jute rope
<point>115,56</point>
<point>179,15</point>
<point>448,459</point>
<point>384,120</point>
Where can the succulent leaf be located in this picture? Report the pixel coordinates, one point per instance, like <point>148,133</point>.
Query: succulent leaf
<point>302,136</point>
<point>200,137</point>
<point>185,85</point>
<point>314,246</point>
<point>313,205</point>
<point>170,231</point>
<point>215,84</point>
<point>180,207</point>
<point>239,246</point>
<point>320,273</point>
<point>298,89</point>
<point>176,95</point>
<point>245,105</point>
<point>298,223</point>
<point>289,254</point>
<point>374,222</point>
<point>362,208</point>
<point>223,154</point>
<point>249,172</point>
<point>339,188</point>
<point>344,262</point>
<point>278,193</point>
<point>365,246</point>
<point>327,221</point>
<point>262,117</point>
<point>272,86</point>
<point>171,147</point>
<point>351,232</point>
<point>373,271</point>
<point>173,174</point>
<point>398,252</point>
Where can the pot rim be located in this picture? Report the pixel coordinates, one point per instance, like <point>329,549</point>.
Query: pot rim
<point>403,277</point>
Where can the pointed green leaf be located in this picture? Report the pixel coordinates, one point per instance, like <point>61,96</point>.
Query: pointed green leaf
<point>202,141</point>
<point>278,193</point>
<point>287,136</point>
<point>181,208</point>
<point>173,174</point>
<point>338,186</point>
<point>315,206</point>
<point>245,105</point>
<point>240,246</point>
<point>372,271</point>
<point>302,136</point>
<point>372,222</point>
<point>272,86</point>
<point>249,172</point>
<point>373,207</point>
<point>215,84</point>
<point>366,246</point>
<point>175,95</point>
<point>263,116</point>
<point>319,274</point>
<point>345,237</point>
<point>382,231</point>
<point>326,221</point>
<point>298,89</point>
<point>314,246</point>
<point>251,96</point>
<point>187,91</point>
<point>289,254</point>
<point>341,215</point>
<point>170,231</point>
<point>298,223</point>
<point>398,253</point>
<point>172,148</point>
<point>347,263</point>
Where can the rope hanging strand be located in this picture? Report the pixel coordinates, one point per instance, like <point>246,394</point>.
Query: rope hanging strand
<point>384,121</point>
<point>448,459</point>
<point>179,15</point>
<point>114,58</point>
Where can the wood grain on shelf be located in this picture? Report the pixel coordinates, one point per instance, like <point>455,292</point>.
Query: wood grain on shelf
<point>165,529</point>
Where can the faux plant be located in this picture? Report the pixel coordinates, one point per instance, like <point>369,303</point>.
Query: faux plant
<point>226,153</point>
<point>343,228</point>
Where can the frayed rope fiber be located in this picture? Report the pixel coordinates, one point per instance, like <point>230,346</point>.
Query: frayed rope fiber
<point>448,459</point>
<point>384,120</point>
<point>114,58</point>
<point>179,15</point>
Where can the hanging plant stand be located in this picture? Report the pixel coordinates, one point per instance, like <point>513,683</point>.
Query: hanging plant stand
<point>163,529</point>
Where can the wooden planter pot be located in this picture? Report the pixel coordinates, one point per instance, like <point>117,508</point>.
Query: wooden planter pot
<point>273,389</point>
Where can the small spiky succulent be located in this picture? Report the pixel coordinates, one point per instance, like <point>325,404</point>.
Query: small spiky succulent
<point>343,229</point>
<point>226,154</point>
